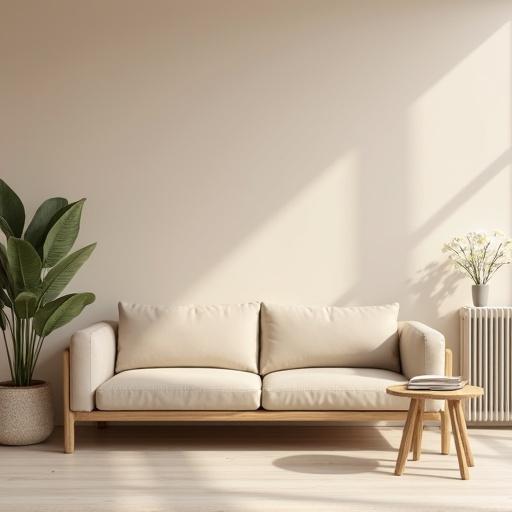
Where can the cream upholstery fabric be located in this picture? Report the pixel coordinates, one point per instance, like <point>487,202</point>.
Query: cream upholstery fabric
<point>421,349</point>
<point>198,336</point>
<point>92,361</point>
<point>332,389</point>
<point>421,352</point>
<point>206,389</point>
<point>339,335</point>
<point>302,337</point>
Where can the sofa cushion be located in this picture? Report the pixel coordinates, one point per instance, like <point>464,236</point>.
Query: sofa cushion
<point>303,337</point>
<point>199,336</point>
<point>180,389</point>
<point>332,389</point>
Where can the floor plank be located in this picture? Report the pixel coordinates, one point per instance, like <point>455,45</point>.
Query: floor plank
<point>252,468</point>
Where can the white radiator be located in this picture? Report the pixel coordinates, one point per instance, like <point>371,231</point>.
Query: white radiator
<point>486,361</point>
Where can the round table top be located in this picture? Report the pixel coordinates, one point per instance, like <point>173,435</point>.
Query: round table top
<point>459,394</point>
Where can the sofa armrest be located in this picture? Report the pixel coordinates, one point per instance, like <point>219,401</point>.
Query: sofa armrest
<point>422,350</point>
<point>92,362</point>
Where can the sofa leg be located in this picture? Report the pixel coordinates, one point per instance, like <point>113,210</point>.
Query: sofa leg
<point>445,430</point>
<point>69,416</point>
<point>69,433</point>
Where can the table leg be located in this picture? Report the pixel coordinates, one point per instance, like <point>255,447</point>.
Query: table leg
<point>405,444</point>
<point>445,430</point>
<point>418,430</point>
<point>464,434</point>
<point>461,454</point>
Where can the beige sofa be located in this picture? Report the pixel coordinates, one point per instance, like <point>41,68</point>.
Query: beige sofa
<point>248,362</point>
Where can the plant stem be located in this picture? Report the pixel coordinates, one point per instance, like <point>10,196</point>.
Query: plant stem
<point>482,260</point>
<point>31,344</point>
<point>28,358</point>
<point>496,256</point>
<point>466,267</point>
<point>495,269</point>
<point>8,356</point>
<point>472,261</point>
<point>39,346</point>
<point>16,341</point>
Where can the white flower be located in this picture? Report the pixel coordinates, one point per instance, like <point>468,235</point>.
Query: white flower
<point>479,254</point>
<point>481,238</point>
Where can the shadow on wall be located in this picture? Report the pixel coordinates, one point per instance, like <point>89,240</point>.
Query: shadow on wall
<point>433,285</point>
<point>190,126</point>
<point>438,281</point>
<point>428,291</point>
<point>198,125</point>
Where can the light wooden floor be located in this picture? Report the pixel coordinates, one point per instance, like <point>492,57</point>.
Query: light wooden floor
<point>251,468</point>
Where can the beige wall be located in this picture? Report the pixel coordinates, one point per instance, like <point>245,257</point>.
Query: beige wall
<point>290,151</point>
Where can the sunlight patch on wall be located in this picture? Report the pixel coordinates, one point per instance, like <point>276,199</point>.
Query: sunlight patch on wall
<point>460,147</point>
<point>303,253</point>
<point>459,127</point>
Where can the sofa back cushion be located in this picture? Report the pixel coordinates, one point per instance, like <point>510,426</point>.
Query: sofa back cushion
<point>305,337</point>
<point>196,336</point>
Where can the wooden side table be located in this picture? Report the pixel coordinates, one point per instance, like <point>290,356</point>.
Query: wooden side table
<point>413,428</point>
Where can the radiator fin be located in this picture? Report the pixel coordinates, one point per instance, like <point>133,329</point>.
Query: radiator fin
<point>486,360</point>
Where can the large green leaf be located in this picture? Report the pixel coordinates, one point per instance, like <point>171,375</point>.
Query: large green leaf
<point>62,273</point>
<point>24,264</point>
<point>11,210</point>
<point>3,323</point>
<point>62,234</point>
<point>4,226</point>
<point>4,268</point>
<point>41,222</point>
<point>5,299</point>
<point>59,312</point>
<point>25,304</point>
<point>6,280</point>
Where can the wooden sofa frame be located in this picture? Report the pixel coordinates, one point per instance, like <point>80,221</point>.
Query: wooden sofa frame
<point>260,415</point>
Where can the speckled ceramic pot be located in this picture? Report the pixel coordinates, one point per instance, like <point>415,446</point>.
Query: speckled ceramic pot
<point>26,413</point>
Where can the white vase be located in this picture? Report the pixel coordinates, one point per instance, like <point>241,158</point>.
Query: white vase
<point>480,294</point>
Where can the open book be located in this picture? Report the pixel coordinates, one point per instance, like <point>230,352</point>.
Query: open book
<point>436,383</point>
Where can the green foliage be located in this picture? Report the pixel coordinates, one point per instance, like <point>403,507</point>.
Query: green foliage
<point>30,307</point>
<point>24,264</point>
<point>4,226</point>
<point>25,304</point>
<point>42,222</point>
<point>59,312</point>
<point>62,273</point>
<point>5,275</point>
<point>12,212</point>
<point>63,233</point>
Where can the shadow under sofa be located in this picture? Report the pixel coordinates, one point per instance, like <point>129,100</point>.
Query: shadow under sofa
<point>250,362</point>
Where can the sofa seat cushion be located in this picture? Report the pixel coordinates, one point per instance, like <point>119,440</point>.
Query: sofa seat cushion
<point>332,389</point>
<point>180,389</point>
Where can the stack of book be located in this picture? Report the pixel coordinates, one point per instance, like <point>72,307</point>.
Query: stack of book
<point>435,383</point>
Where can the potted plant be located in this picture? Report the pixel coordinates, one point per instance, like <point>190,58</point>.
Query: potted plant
<point>480,255</point>
<point>35,268</point>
